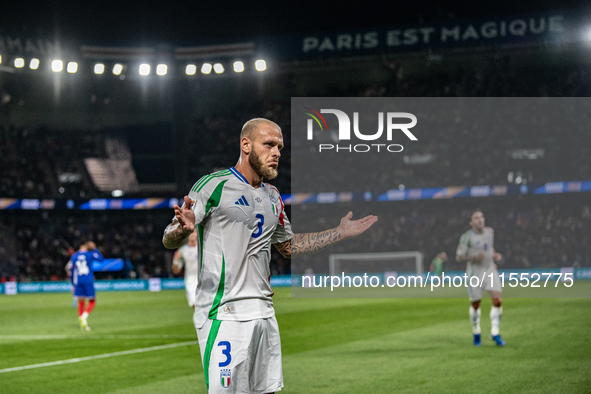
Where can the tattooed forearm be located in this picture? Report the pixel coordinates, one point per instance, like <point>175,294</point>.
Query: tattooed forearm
<point>175,235</point>
<point>308,243</point>
<point>284,248</point>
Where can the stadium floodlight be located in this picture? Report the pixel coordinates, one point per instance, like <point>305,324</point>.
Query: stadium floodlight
<point>238,67</point>
<point>57,66</point>
<point>99,68</point>
<point>144,69</point>
<point>218,68</point>
<point>206,68</point>
<point>260,65</point>
<point>0,59</point>
<point>72,67</point>
<point>19,62</point>
<point>191,69</point>
<point>161,69</point>
<point>117,193</point>
<point>34,64</point>
<point>117,69</point>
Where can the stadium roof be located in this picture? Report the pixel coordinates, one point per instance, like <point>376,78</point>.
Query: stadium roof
<point>147,22</point>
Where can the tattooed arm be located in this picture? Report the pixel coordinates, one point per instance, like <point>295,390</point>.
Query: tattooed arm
<point>177,232</point>
<point>308,243</point>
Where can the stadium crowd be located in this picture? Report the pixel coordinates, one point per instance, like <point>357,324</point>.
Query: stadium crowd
<point>44,163</point>
<point>535,232</point>
<point>37,248</point>
<point>542,234</point>
<point>447,159</point>
<point>530,232</point>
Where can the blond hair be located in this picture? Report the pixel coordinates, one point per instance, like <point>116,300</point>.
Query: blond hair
<point>253,125</point>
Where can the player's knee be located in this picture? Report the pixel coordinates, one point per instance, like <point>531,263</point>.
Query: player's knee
<point>496,302</point>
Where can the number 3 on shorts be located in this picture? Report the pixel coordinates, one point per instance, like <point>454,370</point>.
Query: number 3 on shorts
<point>226,352</point>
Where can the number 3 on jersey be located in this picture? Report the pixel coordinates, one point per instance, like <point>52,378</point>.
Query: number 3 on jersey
<point>259,231</point>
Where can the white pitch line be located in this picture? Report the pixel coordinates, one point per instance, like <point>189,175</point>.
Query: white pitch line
<point>8,337</point>
<point>77,360</point>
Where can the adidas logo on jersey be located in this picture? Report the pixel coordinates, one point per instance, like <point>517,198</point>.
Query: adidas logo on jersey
<point>242,201</point>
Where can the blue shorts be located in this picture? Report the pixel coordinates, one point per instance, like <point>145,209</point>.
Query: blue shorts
<point>84,290</point>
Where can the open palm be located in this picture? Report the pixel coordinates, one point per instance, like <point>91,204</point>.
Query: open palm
<point>352,228</point>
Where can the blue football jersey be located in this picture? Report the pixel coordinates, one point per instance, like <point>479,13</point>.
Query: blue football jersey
<point>82,265</point>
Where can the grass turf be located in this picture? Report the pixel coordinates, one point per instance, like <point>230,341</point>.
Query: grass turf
<point>329,345</point>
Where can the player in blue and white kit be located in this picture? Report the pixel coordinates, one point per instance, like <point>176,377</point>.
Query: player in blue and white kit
<point>477,249</point>
<point>82,278</point>
<point>238,217</point>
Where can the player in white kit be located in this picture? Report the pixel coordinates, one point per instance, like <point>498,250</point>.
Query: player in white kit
<point>187,257</point>
<point>476,248</point>
<point>238,217</point>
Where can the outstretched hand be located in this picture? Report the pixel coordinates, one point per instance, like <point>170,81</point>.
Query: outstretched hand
<point>185,215</point>
<point>352,228</point>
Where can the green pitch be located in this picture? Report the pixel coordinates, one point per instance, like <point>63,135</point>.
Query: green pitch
<point>329,345</point>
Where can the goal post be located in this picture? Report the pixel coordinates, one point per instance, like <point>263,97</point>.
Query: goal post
<point>350,263</point>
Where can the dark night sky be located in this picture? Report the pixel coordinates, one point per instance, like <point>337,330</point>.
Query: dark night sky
<point>186,22</point>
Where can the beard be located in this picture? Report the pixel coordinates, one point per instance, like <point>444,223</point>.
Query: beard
<point>259,167</point>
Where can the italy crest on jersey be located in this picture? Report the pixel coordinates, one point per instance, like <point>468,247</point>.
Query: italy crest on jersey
<point>225,378</point>
<point>275,206</point>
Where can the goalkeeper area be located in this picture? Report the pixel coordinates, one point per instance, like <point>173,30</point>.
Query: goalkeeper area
<point>143,342</point>
<point>386,262</point>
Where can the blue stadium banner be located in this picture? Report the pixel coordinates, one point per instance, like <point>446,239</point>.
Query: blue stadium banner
<point>114,285</point>
<point>94,204</point>
<point>44,287</point>
<point>563,187</point>
<point>121,285</point>
<point>281,281</point>
<point>317,198</point>
<point>172,284</point>
<point>27,204</point>
<point>582,273</point>
<point>108,265</point>
<point>437,193</point>
<point>128,203</point>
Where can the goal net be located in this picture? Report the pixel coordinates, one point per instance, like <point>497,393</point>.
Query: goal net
<point>388,262</point>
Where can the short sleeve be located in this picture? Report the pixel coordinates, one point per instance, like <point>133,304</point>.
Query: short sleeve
<point>283,230</point>
<point>463,245</point>
<point>205,196</point>
<point>198,205</point>
<point>181,262</point>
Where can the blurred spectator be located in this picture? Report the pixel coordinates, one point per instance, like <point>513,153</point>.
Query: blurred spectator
<point>545,232</point>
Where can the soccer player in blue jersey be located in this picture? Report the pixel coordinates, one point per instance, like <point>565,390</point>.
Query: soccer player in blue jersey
<point>238,216</point>
<point>83,280</point>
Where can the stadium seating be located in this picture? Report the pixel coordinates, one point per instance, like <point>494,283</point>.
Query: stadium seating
<point>43,163</point>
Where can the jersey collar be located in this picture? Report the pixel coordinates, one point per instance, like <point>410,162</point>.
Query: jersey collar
<point>238,174</point>
<point>241,177</point>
